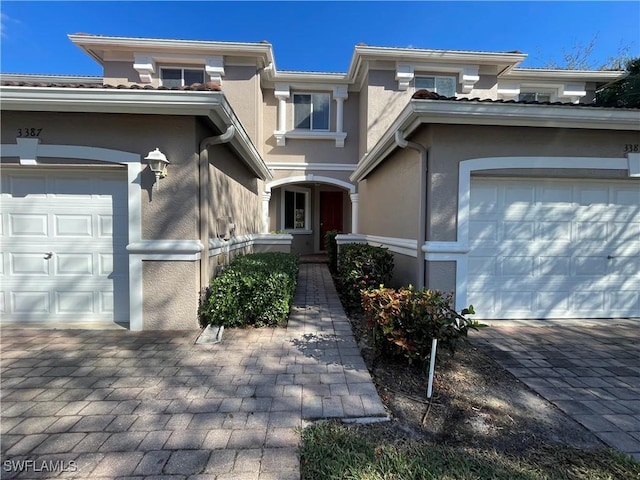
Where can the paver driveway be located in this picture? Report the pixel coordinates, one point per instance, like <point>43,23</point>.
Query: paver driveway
<point>592,373</point>
<point>108,404</point>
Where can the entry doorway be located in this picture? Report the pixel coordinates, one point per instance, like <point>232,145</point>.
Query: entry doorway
<point>331,214</point>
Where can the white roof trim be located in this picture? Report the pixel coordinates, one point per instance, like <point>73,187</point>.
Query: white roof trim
<point>419,111</point>
<point>211,104</point>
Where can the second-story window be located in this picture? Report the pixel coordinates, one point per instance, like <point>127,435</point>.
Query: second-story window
<point>445,86</point>
<point>311,111</point>
<point>534,97</point>
<point>180,77</point>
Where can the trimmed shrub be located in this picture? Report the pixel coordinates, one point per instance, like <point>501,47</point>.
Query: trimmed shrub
<point>331,246</point>
<point>362,267</point>
<point>405,321</point>
<point>254,289</point>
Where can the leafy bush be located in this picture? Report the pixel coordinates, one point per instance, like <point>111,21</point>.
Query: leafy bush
<point>254,289</point>
<point>331,246</point>
<point>405,321</point>
<point>362,267</point>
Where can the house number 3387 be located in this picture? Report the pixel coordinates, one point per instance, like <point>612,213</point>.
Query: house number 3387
<point>29,132</point>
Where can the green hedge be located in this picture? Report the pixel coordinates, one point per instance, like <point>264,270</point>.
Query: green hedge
<point>362,267</point>
<point>331,247</point>
<point>254,289</point>
<point>405,321</point>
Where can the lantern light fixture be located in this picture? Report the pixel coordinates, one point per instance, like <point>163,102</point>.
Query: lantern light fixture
<point>157,164</point>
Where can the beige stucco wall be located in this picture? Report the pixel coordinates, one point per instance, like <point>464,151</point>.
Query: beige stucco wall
<point>169,301</point>
<point>388,197</point>
<point>234,192</point>
<point>385,102</point>
<point>311,151</point>
<point>452,144</point>
<point>169,212</point>
<point>120,73</point>
<point>241,86</point>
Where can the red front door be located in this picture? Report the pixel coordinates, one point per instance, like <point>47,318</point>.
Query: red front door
<point>330,214</point>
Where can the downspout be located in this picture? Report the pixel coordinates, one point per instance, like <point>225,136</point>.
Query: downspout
<point>204,198</point>
<point>422,206</point>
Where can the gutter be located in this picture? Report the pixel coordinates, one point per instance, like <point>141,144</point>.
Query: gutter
<point>422,206</point>
<point>203,168</point>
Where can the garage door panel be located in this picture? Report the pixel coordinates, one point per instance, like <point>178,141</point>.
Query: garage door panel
<point>518,265</point>
<point>554,248</point>
<point>552,301</point>
<point>29,225</point>
<point>30,302</point>
<point>28,264</point>
<point>77,302</point>
<point>518,231</point>
<point>74,264</point>
<point>73,225</point>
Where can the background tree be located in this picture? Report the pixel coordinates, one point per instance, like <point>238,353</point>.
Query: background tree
<point>580,57</point>
<point>624,92</point>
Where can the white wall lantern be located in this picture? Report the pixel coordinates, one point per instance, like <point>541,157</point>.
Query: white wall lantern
<point>157,164</point>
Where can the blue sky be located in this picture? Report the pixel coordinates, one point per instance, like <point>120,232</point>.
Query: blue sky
<point>317,36</point>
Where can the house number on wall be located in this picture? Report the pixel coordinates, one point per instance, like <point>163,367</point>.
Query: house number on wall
<point>631,147</point>
<point>32,132</point>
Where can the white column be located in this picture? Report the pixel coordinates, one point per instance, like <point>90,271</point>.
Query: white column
<point>340,94</point>
<point>354,213</point>
<point>339,115</point>
<point>266,196</point>
<point>282,94</point>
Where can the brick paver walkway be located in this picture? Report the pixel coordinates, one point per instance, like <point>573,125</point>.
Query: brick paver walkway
<point>109,404</point>
<point>592,373</point>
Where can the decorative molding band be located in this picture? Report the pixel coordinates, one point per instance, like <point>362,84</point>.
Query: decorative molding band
<point>218,246</point>
<point>167,250</point>
<point>335,167</point>
<point>339,137</point>
<point>403,246</point>
<point>444,251</point>
<point>309,178</point>
<point>272,239</point>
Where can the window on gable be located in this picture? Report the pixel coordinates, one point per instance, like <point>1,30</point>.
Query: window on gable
<point>445,86</point>
<point>180,77</point>
<point>534,97</point>
<point>311,111</point>
<point>296,210</point>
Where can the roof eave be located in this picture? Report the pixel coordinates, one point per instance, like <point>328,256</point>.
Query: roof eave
<point>213,105</point>
<point>420,112</point>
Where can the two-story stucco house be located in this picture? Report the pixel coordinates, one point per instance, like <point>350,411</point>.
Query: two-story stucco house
<point>502,184</point>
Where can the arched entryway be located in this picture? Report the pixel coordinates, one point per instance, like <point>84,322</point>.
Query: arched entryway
<point>307,206</point>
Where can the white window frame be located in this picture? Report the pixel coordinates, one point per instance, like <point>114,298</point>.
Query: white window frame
<point>435,77</point>
<point>307,210</point>
<point>310,129</point>
<point>182,69</point>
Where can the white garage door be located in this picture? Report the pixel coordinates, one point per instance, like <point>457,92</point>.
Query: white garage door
<point>554,248</point>
<point>63,240</point>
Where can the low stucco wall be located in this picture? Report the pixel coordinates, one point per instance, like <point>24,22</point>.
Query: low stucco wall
<point>171,295</point>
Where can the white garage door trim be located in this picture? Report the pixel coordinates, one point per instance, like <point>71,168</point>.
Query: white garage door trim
<point>457,251</point>
<point>29,150</point>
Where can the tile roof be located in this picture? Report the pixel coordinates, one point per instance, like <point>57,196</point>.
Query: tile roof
<point>427,95</point>
<point>200,87</point>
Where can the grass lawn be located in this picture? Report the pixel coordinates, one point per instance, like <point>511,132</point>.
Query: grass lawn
<point>331,450</point>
